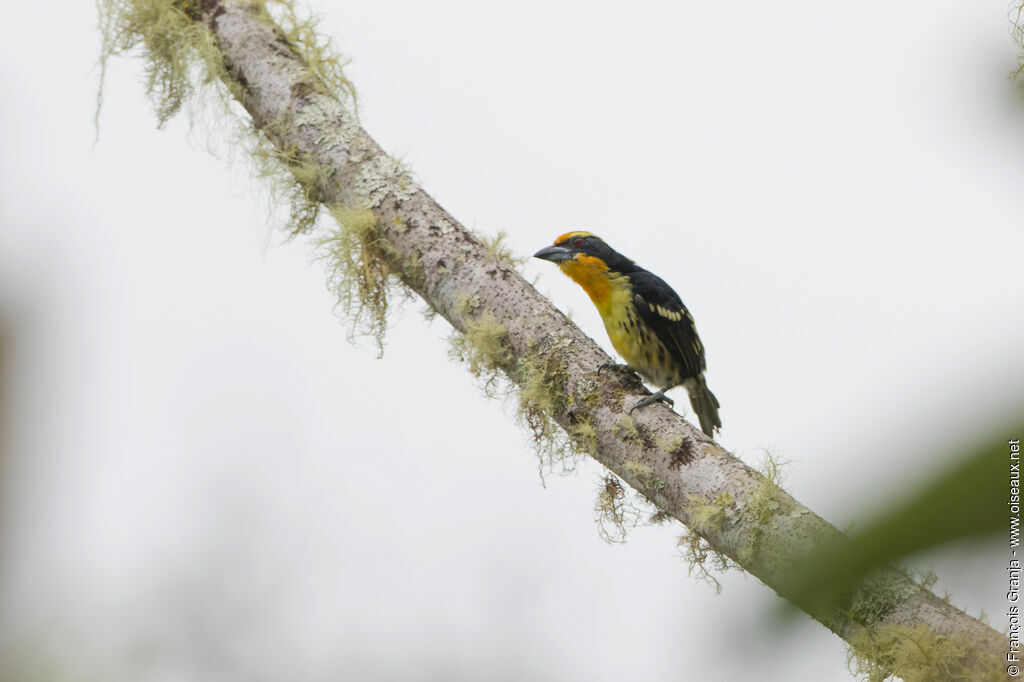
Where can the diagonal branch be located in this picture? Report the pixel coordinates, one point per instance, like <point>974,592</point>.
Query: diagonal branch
<point>739,512</point>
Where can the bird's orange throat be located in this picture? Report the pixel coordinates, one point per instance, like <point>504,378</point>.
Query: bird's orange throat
<point>591,274</point>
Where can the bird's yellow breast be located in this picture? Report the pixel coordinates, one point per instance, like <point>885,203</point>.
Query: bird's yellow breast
<point>612,294</point>
<point>593,275</point>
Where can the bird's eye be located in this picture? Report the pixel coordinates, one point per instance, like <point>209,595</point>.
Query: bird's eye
<point>578,241</point>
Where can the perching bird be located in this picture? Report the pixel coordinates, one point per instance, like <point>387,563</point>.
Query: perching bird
<point>647,323</point>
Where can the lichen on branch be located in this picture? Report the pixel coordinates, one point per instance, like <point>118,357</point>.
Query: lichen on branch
<point>535,383</point>
<point>185,71</point>
<point>180,54</point>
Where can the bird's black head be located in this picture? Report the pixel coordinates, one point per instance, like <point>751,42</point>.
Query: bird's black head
<point>576,246</point>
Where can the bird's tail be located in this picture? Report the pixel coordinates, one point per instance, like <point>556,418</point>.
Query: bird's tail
<point>705,404</point>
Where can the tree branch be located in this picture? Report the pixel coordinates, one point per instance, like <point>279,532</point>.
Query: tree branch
<point>741,513</point>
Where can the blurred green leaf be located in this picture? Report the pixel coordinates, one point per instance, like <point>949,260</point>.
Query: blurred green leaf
<point>968,501</point>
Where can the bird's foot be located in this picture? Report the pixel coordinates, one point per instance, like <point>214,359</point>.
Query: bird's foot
<point>656,397</point>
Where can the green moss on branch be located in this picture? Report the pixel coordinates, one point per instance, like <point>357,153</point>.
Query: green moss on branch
<point>919,653</point>
<point>185,70</point>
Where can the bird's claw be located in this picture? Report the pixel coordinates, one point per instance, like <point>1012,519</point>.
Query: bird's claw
<point>658,397</point>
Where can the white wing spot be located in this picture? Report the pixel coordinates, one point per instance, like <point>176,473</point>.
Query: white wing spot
<point>669,314</point>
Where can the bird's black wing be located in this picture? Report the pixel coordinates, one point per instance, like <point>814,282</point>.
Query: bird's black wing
<point>663,311</point>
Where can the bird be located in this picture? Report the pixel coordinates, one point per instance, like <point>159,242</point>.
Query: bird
<point>646,321</point>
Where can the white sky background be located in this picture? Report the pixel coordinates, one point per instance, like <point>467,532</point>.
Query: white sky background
<point>209,483</point>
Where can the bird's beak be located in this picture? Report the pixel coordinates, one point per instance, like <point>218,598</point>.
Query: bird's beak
<point>555,254</point>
